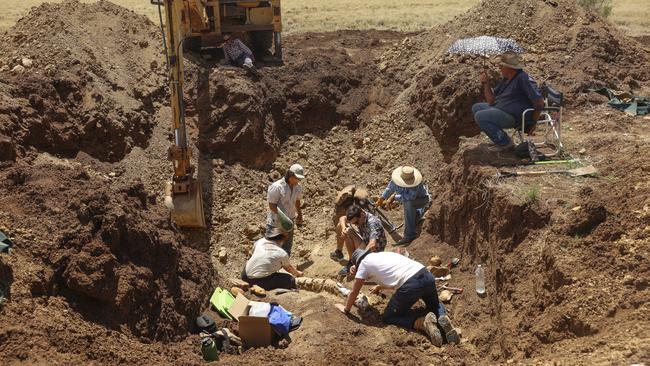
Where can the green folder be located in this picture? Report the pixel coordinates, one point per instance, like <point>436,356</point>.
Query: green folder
<point>222,301</point>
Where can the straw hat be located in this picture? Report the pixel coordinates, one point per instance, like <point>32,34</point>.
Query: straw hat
<point>511,60</point>
<point>406,176</point>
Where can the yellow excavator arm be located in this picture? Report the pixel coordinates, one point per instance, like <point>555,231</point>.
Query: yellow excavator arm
<point>183,194</point>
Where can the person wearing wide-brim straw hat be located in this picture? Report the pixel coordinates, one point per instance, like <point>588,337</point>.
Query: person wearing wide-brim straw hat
<point>409,189</point>
<point>515,93</point>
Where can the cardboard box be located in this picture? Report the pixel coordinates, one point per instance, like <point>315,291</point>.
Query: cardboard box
<point>255,331</point>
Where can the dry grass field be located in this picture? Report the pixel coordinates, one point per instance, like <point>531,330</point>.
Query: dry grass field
<point>405,15</point>
<point>632,15</point>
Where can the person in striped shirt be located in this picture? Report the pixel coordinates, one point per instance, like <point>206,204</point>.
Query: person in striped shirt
<point>237,53</point>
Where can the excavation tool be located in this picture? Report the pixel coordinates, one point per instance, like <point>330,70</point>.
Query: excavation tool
<point>202,24</point>
<point>454,262</point>
<point>577,172</point>
<point>374,209</point>
<point>183,194</point>
<point>548,162</point>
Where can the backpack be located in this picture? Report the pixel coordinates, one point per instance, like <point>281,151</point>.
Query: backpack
<point>527,150</point>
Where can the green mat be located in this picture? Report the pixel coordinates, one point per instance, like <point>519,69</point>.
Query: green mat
<point>5,243</point>
<point>222,300</point>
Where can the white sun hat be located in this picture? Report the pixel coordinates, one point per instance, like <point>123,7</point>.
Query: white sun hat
<point>406,176</point>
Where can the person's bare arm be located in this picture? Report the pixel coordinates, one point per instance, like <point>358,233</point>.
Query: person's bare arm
<point>296,273</point>
<point>372,244</point>
<point>273,207</point>
<point>299,219</point>
<point>539,106</point>
<point>487,90</point>
<point>352,297</point>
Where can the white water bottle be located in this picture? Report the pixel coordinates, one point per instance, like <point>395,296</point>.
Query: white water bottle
<point>480,280</point>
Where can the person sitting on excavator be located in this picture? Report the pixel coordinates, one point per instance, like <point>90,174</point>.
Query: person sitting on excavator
<point>237,53</point>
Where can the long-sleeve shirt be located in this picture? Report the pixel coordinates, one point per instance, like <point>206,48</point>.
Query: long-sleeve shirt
<point>516,95</point>
<point>234,48</point>
<point>405,194</point>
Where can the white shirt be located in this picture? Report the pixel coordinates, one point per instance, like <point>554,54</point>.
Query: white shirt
<point>281,194</point>
<point>387,269</point>
<point>267,259</point>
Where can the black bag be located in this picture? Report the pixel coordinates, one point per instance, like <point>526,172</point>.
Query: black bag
<point>206,324</point>
<point>527,150</point>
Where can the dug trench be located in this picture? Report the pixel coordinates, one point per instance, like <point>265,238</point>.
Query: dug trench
<point>100,276</point>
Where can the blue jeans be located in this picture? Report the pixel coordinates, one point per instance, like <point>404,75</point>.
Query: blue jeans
<point>413,210</point>
<point>287,243</point>
<point>492,121</point>
<point>421,285</point>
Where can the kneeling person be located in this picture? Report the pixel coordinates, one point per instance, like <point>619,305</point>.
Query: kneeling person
<point>267,259</point>
<point>360,230</point>
<point>411,282</point>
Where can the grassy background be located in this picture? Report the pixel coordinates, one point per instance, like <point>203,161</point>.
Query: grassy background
<point>405,15</point>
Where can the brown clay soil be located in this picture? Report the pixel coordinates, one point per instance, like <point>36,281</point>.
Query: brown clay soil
<point>100,276</point>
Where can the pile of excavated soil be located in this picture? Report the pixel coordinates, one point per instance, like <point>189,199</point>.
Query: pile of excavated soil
<point>97,267</point>
<point>100,247</point>
<point>246,119</point>
<point>566,47</point>
<point>77,77</point>
<point>569,268</point>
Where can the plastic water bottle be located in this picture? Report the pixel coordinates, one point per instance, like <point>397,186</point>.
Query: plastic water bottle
<point>480,280</point>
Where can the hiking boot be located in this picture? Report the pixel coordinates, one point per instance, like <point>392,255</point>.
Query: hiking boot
<point>337,255</point>
<point>450,333</point>
<point>502,148</point>
<point>431,329</point>
<point>404,241</point>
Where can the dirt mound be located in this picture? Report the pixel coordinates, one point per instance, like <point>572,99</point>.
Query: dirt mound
<point>544,258</point>
<point>245,119</point>
<point>566,46</point>
<point>80,77</point>
<point>103,246</point>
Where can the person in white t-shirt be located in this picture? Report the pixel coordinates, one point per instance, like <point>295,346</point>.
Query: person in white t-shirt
<point>267,259</point>
<point>411,282</point>
<point>285,194</point>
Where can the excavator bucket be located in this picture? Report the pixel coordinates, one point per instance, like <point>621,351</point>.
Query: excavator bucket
<point>187,208</point>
